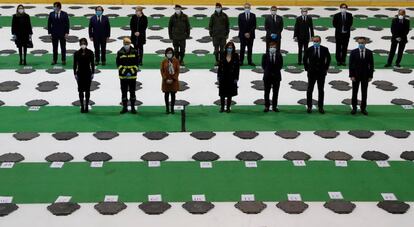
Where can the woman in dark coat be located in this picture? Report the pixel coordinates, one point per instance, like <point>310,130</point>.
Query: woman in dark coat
<point>84,68</point>
<point>138,25</point>
<point>228,76</point>
<point>170,69</point>
<point>22,32</point>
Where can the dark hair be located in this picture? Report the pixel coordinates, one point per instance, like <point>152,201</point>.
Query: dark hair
<point>178,6</point>
<point>99,7</point>
<point>83,40</point>
<point>343,4</point>
<point>233,46</point>
<point>218,4</point>
<point>361,37</point>
<point>272,43</point>
<point>17,9</point>
<point>58,4</point>
<point>168,50</point>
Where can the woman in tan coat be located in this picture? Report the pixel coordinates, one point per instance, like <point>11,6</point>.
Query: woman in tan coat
<point>170,69</point>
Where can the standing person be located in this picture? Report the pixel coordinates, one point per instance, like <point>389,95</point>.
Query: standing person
<point>138,25</point>
<point>316,61</point>
<point>272,63</point>
<point>179,31</point>
<point>127,63</point>
<point>99,33</point>
<point>83,69</point>
<point>303,32</point>
<point>400,27</point>
<point>219,29</point>
<point>274,27</point>
<point>170,69</point>
<point>361,71</point>
<point>342,22</point>
<point>228,76</point>
<point>58,28</point>
<point>22,32</point>
<point>247,27</point>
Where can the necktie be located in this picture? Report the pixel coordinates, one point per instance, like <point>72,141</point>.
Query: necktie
<point>362,54</point>
<point>317,52</point>
<point>99,19</point>
<point>247,16</point>
<point>304,18</point>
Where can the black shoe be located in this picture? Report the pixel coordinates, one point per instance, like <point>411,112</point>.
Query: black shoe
<point>387,65</point>
<point>24,62</point>
<point>252,64</point>
<point>172,110</point>
<point>275,109</point>
<point>266,109</point>
<point>53,63</point>
<point>86,109</point>
<point>124,110</point>
<point>63,62</point>
<point>353,111</point>
<point>221,110</point>
<point>228,111</point>
<point>309,110</point>
<point>20,62</point>
<point>364,112</point>
<point>167,110</point>
<point>82,110</point>
<point>321,110</point>
<point>133,110</point>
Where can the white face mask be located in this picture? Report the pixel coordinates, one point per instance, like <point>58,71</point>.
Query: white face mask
<point>273,12</point>
<point>218,10</point>
<point>83,46</point>
<point>178,11</point>
<point>127,46</point>
<point>400,17</point>
<point>343,10</point>
<point>304,13</point>
<point>20,11</point>
<point>272,50</point>
<point>169,55</point>
<point>139,13</point>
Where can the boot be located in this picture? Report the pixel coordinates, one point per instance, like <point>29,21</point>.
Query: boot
<point>124,107</point>
<point>172,109</point>
<point>133,110</point>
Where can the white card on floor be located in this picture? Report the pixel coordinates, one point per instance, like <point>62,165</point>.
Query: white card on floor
<point>7,165</point>
<point>407,107</point>
<point>63,199</point>
<point>294,197</point>
<point>57,165</point>
<point>97,164</point>
<point>178,107</point>
<point>388,196</point>
<point>34,108</point>
<point>4,55</point>
<point>341,163</point>
<point>247,197</point>
<point>154,198</point>
<point>27,67</point>
<point>57,67</point>
<point>199,198</point>
<point>251,164</point>
<point>335,195</point>
<point>154,163</point>
<point>200,55</point>
<point>299,163</point>
<point>383,164</point>
<point>6,199</point>
<point>37,55</point>
<point>111,198</point>
<point>206,165</point>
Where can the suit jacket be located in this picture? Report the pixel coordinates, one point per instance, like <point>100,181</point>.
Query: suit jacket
<point>272,70</point>
<point>58,27</point>
<point>361,69</point>
<point>247,26</point>
<point>400,30</point>
<point>338,23</point>
<point>99,30</point>
<point>317,65</point>
<point>273,27</point>
<point>139,24</point>
<point>303,28</point>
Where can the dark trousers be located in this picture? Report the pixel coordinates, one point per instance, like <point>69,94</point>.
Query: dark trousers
<point>243,44</point>
<point>312,79</point>
<point>269,85</point>
<point>140,47</point>
<point>55,43</point>
<point>128,85</point>
<point>223,102</point>
<point>302,46</point>
<point>364,94</point>
<point>100,49</point>
<point>179,49</point>
<point>218,43</point>
<point>401,47</point>
<point>342,41</point>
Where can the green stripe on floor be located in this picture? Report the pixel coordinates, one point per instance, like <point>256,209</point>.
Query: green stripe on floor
<point>5,21</point>
<point>201,118</point>
<point>226,181</point>
<point>192,61</point>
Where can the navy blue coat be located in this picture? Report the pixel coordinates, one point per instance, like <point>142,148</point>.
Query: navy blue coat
<point>58,27</point>
<point>247,26</point>
<point>99,30</point>
<point>361,69</point>
<point>271,71</point>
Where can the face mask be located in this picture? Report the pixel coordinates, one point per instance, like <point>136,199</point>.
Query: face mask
<point>98,13</point>
<point>272,50</point>
<point>315,44</point>
<point>273,12</point>
<point>304,13</point>
<point>139,13</point>
<point>83,46</point>
<point>247,10</point>
<point>218,10</point>
<point>56,9</point>
<point>169,55</point>
<point>343,10</point>
<point>178,11</point>
<point>400,17</point>
<point>20,11</point>
<point>127,46</point>
<point>361,46</point>
<point>229,50</point>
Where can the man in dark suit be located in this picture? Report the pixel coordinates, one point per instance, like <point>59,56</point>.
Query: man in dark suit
<point>361,70</point>
<point>274,28</point>
<point>303,32</point>
<point>342,22</point>
<point>99,33</point>
<point>138,25</point>
<point>247,27</point>
<point>316,61</point>
<point>58,28</point>
<point>272,63</point>
<point>400,27</point>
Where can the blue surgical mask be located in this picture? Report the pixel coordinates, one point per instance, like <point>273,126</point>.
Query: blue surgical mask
<point>229,50</point>
<point>247,10</point>
<point>361,46</point>
<point>98,13</point>
<point>56,9</point>
<point>272,50</point>
<point>218,10</point>
<point>316,44</point>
